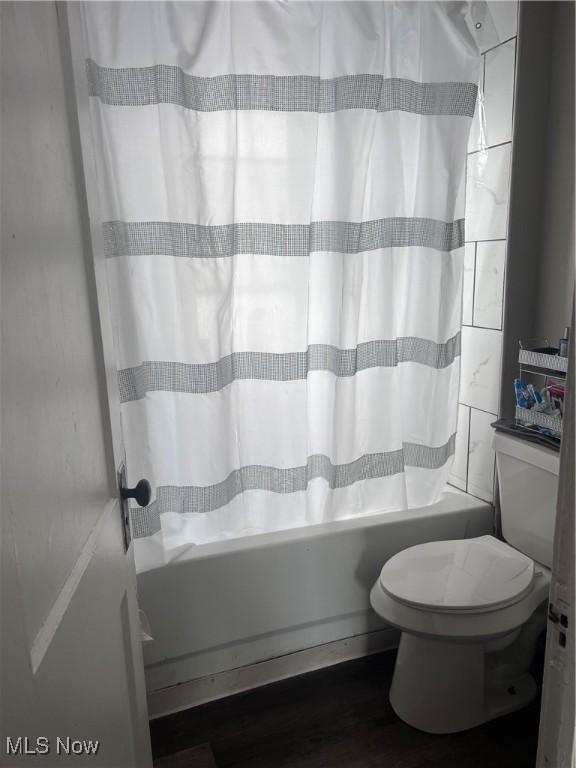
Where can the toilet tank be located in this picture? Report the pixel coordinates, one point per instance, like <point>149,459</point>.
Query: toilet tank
<point>528,484</point>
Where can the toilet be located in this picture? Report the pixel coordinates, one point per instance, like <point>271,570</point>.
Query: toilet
<point>471,610</point>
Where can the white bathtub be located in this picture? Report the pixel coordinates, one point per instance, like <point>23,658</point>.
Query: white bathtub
<point>235,604</point>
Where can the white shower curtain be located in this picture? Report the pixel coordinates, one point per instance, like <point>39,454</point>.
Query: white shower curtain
<point>282,185</point>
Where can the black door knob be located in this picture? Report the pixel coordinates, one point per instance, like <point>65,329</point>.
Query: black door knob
<point>142,493</point>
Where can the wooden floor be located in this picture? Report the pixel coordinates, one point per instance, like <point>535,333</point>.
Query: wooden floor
<point>338,717</point>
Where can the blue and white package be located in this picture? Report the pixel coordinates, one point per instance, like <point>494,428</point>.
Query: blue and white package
<point>522,395</point>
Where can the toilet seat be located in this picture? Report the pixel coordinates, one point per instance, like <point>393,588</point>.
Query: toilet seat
<point>464,576</point>
<point>465,625</point>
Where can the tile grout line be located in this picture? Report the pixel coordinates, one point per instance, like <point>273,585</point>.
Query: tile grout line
<point>482,410</point>
<point>504,42</point>
<point>482,327</point>
<point>488,240</point>
<point>488,148</point>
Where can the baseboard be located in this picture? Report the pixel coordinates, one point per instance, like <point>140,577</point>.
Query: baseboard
<point>192,693</point>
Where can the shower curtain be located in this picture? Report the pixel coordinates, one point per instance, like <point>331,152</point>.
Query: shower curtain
<point>282,187</point>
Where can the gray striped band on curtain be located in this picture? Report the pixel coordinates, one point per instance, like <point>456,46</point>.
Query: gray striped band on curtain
<point>200,378</point>
<point>168,84</point>
<point>145,521</point>
<point>170,238</point>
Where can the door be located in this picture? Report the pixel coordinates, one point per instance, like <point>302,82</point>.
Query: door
<point>556,743</point>
<point>72,681</point>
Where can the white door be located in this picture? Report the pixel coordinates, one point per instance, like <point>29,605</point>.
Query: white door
<point>72,679</point>
<point>556,743</point>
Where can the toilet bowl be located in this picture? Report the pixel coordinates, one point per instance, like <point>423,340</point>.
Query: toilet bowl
<point>471,610</point>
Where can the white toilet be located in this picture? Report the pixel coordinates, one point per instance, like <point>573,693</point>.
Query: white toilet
<point>472,610</point>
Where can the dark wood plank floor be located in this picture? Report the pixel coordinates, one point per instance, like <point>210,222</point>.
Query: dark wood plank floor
<point>199,756</point>
<point>338,717</point>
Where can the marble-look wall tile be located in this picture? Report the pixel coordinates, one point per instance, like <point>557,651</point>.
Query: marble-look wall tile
<point>487,193</point>
<point>481,459</point>
<point>499,93</point>
<point>459,474</point>
<point>504,16</point>
<point>489,284</point>
<point>481,368</point>
<point>468,285</point>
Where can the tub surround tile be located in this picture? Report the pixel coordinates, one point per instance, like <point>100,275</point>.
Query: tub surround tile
<point>487,193</point>
<point>499,93</point>
<point>504,18</point>
<point>480,368</point>
<point>489,284</point>
<point>481,460</point>
<point>487,196</point>
<point>459,474</point>
<point>468,285</point>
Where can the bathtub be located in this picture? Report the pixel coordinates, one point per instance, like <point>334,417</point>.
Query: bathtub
<point>235,614</point>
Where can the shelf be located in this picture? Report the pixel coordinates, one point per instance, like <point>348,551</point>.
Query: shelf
<point>531,416</point>
<point>534,358</point>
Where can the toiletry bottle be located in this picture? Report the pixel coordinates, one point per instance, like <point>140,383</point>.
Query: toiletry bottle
<point>563,343</point>
<point>534,394</point>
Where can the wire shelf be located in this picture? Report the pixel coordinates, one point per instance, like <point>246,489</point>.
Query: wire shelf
<point>531,416</point>
<point>540,359</point>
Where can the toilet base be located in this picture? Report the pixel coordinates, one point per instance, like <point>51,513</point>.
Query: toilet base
<point>441,686</point>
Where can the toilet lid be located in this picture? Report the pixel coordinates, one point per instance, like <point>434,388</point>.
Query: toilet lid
<point>470,574</point>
